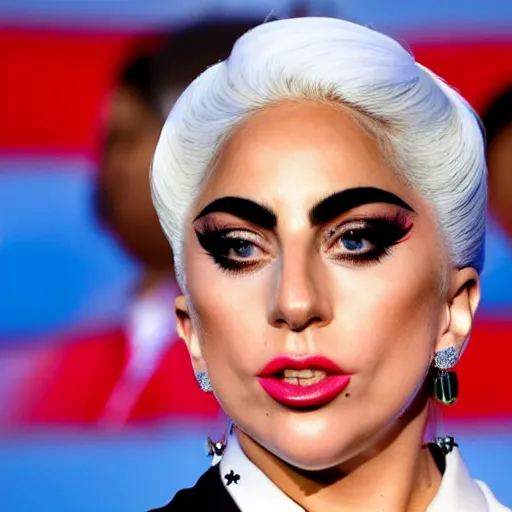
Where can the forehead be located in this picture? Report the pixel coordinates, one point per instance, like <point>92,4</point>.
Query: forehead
<point>298,152</point>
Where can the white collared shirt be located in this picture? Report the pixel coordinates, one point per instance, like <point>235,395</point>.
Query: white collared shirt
<point>255,492</point>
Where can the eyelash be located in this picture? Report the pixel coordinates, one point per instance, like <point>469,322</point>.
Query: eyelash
<point>382,232</point>
<point>219,241</point>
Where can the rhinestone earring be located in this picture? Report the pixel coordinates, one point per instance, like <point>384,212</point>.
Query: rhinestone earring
<point>446,386</point>
<point>204,382</point>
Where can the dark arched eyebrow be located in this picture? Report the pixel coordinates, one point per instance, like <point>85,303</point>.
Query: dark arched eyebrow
<point>340,202</point>
<point>243,208</point>
<point>324,211</point>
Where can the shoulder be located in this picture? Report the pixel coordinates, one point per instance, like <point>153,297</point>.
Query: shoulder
<point>207,492</point>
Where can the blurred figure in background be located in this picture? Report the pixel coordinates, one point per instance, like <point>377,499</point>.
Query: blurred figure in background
<point>498,125</point>
<point>122,205</point>
<point>497,119</point>
<point>140,371</point>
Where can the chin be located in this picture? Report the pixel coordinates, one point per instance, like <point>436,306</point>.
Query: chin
<point>313,445</point>
<point>317,457</point>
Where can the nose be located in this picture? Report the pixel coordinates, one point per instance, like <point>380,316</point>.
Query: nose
<point>301,296</point>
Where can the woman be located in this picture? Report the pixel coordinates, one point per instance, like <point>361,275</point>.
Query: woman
<point>324,196</point>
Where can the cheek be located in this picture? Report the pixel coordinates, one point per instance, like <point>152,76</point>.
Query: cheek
<point>231,323</point>
<point>233,335</point>
<point>388,320</point>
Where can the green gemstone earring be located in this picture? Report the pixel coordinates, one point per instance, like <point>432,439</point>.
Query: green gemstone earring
<point>446,385</point>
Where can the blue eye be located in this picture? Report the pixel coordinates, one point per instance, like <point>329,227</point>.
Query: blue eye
<point>232,249</point>
<point>352,241</point>
<point>243,249</point>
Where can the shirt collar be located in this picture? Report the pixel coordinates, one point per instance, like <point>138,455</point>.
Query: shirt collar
<point>458,492</point>
<point>253,491</point>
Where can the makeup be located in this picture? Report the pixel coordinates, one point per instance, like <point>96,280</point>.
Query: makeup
<point>364,240</point>
<point>359,240</point>
<point>231,249</point>
<point>336,204</point>
<point>303,381</point>
<point>323,212</point>
<point>242,208</point>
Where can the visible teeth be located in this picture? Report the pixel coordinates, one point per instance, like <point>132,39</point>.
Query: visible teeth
<point>303,377</point>
<point>304,374</point>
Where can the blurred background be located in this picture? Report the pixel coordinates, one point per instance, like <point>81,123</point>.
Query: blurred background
<point>99,409</point>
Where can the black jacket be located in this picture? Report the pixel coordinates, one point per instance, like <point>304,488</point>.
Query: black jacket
<point>209,494</point>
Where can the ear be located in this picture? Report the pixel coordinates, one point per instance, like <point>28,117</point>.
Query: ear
<point>188,334</point>
<point>462,302</point>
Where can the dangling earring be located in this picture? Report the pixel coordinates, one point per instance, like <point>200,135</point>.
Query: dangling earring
<point>204,382</point>
<point>446,386</point>
<point>216,449</point>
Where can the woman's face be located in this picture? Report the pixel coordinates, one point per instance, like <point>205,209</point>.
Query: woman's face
<point>304,243</point>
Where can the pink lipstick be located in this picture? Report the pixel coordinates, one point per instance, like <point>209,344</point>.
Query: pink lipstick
<point>303,382</point>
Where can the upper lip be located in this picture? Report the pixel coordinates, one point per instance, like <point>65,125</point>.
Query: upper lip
<point>303,362</point>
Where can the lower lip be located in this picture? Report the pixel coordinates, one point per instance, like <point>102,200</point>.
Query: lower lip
<point>297,396</point>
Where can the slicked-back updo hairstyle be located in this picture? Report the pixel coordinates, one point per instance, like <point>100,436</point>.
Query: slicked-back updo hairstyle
<point>434,135</point>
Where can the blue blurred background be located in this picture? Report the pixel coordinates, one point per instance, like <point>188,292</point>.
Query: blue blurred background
<point>66,285</point>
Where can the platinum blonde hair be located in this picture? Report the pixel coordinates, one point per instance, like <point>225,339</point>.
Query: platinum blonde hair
<point>432,131</point>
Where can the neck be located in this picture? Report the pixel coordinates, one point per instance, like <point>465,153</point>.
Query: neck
<point>396,474</point>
